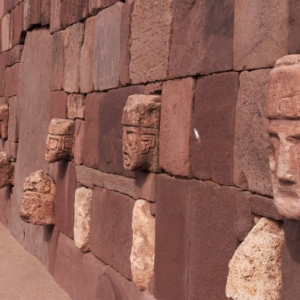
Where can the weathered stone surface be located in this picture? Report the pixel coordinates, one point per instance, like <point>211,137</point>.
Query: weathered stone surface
<point>147,296</point>
<point>89,177</point>
<point>72,12</point>
<point>72,43</point>
<point>111,223</point>
<point>82,218</point>
<point>5,201</point>
<point>55,22</point>
<point>11,149</point>
<point>58,105</point>
<point>174,140</point>
<point>3,8</point>
<point>107,48</point>
<point>143,244</point>
<point>140,120</point>
<point>45,12</point>
<point>58,60</point>
<point>4,121</point>
<point>255,269</point>
<point>251,156</point>
<point>6,170</point>
<point>201,44</point>
<point>18,34</point>
<point>76,106</point>
<point>266,25</point>
<point>2,72</point>
<point>14,55</point>
<point>78,141</point>
<point>96,5</point>
<point>214,112</point>
<point>87,56</point>
<point>151,30</point>
<point>32,13</point>
<point>6,33</point>
<point>37,205</point>
<point>11,80</point>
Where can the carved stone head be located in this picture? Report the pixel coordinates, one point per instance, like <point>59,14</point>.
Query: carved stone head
<point>140,120</point>
<point>60,140</point>
<point>283,111</point>
<point>3,121</point>
<point>37,205</point>
<point>6,170</point>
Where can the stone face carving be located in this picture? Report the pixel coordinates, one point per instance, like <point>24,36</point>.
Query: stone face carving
<point>60,140</point>
<point>37,205</point>
<point>6,170</point>
<point>140,120</point>
<point>283,111</point>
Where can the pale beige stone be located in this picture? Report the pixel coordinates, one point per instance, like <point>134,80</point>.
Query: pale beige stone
<point>255,269</point>
<point>82,218</point>
<point>6,170</point>
<point>76,106</point>
<point>6,33</point>
<point>143,244</point>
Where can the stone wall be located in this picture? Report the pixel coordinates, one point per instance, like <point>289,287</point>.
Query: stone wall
<point>209,61</point>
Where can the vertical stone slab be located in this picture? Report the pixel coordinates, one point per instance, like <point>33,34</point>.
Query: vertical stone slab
<point>6,33</point>
<point>201,45</point>
<point>58,105</point>
<point>251,154</point>
<point>11,80</point>
<point>34,84</point>
<point>79,140</point>
<point>107,48</point>
<point>18,35</point>
<point>213,127</point>
<point>72,44</point>
<point>2,73</point>
<point>58,60</point>
<point>151,30</point>
<point>72,11</point>
<point>174,139</point>
<point>13,128</point>
<point>111,226</point>
<point>55,23</point>
<point>260,33</point>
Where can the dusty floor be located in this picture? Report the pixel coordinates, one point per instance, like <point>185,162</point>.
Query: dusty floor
<point>22,276</point>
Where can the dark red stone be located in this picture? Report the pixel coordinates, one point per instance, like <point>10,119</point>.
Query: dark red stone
<point>2,73</point>
<point>10,4</point>
<point>11,80</point>
<point>213,126</point>
<point>18,34</point>
<point>58,105</point>
<point>14,55</point>
<point>33,15</point>
<point>294,26</point>
<point>72,11</point>
<point>45,12</point>
<point>111,225</point>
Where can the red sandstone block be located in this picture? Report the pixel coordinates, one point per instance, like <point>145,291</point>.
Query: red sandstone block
<point>174,140</point>
<point>3,8</point>
<point>6,44</point>
<point>201,45</point>
<point>55,23</point>
<point>1,35</point>
<point>11,149</point>
<point>58,105</point>
<point>213,127</point>
<point>111,226</point>
<point>72,11</point>
<point>11,80</point>
<point>13,128</point>
<point>10,4</point>
<point>45,12</point>
<point>96,5</point>
<point>14,55</point>
<point>18,35</point>
<point>2,73</point>
<point>5,206</point>
<point>79,138</point>
<point>32,13</point>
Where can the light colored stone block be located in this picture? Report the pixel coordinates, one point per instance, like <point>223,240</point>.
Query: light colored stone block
<point>6,33</point>
<point>76,106</point>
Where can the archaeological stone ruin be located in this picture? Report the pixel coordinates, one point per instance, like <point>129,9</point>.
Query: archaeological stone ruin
<point>150,149</point>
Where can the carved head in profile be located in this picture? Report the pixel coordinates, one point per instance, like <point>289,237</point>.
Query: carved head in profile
<point>60,140</point>
<point>283,111</point>
<point>3,121</point>
<point>140,120</point>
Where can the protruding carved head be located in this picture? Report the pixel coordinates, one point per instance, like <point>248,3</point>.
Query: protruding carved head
<point>6,170</point>
<point>60,140</point>
<point>4,121</point>
<point>140,120</point>
<point>283,111</point>
<point>37,205</point>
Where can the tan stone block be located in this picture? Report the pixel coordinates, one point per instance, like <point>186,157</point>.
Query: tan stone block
<point>78,143</point>
<point>251,149</point>
<point>151,30</point>
<point>72,43</point>
<point>82,218</point>
<point>13,130</point>
<point>6,33</point>
<point>255,269</point>
<point>76,106</point>
<point>260,33</point>
<point>6,170</point>
<point>143,244</point>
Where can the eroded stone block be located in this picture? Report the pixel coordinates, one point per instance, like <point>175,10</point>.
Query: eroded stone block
<point>143,244</point>
<point>37,205</point>
<point>76,106</point>
<point>6,32</point>
<point>96,5</point>
<point>6,170</point>
<point>11,80</point>
<point>4,121</point>
<point>78,141</point>
<point>18,34</point>
<point>55,22</point>
<point>255,269</point>
<point>71,12</point>
<point>60,140</point>
<point>140,120</point>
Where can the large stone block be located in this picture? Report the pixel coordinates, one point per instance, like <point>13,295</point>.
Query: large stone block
<point>213,127</point>
<point>3,8</point>
<point>260,33</point>
<point>151,30</point>
<point>174,141</point>
<point>201,45</point>
<point>18,34</point>
<point>58,105</point>
<point>96,5</point>
<point>251,154</point>
<point>11,80</point>
<point>6,33</point>
<point>111,225</point>
<point>32,13</point>
<point>72,11</point>
<point>72,44</point>
<point>107,48</point>
<point>89,177</point>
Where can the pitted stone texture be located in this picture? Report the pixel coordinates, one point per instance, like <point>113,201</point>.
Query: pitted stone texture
<point>251,149</point>
<point>6,33</point>
<point>76,106</point>
<point>143,244</point>
<point>151,30</point>
<point>82,218</point>
<point>13,128</point>
<point>96,5</point>
<point>174,140</point>
<point>37,205</point>
<point>58,60</point>
<point>260,33</point>
<point>6,170</point>
<point>107,48</point>
<point>255,269</point>
<point>201,44</point>
<point>4,121</point>
<point>72,44</point>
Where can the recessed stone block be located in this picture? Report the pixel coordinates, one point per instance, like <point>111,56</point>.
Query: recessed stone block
<point>32,13</point>
<point>18,35</point>
<point>55,22</point>
<point>14,56</point>
<point>76,106</point>
<point>45,12</point>
<point>78,142</point>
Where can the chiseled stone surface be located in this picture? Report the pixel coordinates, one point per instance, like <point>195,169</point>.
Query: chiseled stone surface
<point>143,244</point>
<point>255,269</point>
<point>82,218</point>
<point>260,33</point>
<point>151,30</point>
<point>251,147</point>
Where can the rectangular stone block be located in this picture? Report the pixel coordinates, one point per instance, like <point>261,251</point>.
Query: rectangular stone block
<point>11,80</point>
<point>79,139</point>
<point>174,141</point>
<point>266,24</point>
<point>45,12</point>
<point>72,11</point>
<point>201,45</point>
<point>18,34</point>
<point>14,55</point>
<point>151,30</point>
<point>106,73</point>
<point>111,226</point>
<point>251,149</point>
<point>10,4</point>
<point>2,73</point>
<point>13,128</point>
<point>3,8</point>
<point>89,177</point>
<point>5,206</point>
<point>72,46</point>
<point>213,127</point>
<point>6,33</point>
<point>76,106</point>
<point>55,23</point>
<point>32,13</point>
<point>58,105</point>
<point>96,5</point>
